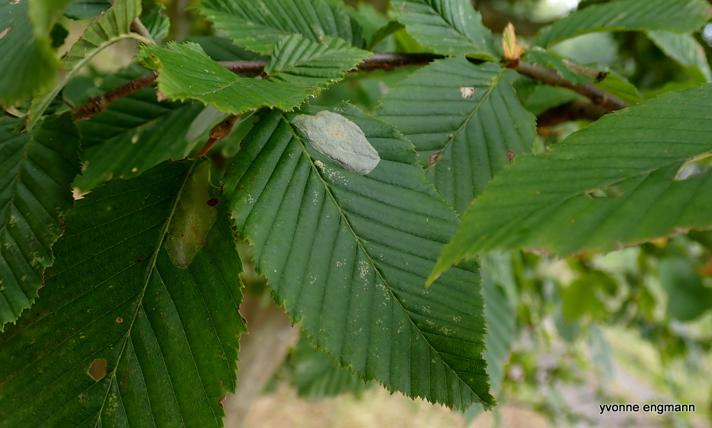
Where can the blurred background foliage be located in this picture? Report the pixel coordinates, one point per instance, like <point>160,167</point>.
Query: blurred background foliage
<point>632,326</point>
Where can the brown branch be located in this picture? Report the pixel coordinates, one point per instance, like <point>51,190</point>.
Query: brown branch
<point>575,110</point>
<point>98,104</point>
<point>220,131</point>
<point>549,77</point>
<point>375,62</point>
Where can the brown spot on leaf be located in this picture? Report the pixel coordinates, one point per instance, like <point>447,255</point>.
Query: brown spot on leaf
<point>511,155</point>
<point>222,401</point>
<point>97,369</point>
<point>140,259</point>
<point>213,202</point>
<point>119,320</point>
<point>435,158</point>
<point>4,32</point>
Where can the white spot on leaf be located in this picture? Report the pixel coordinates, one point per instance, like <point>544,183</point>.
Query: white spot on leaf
<point>467,92</point>
<point>340,139</point>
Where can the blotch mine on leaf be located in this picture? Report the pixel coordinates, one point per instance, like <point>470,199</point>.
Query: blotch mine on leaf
<point>605,192</point>
<point>97,369</point>
<point>338,138</point>
<point>698,165</point>
<point>192,220</point>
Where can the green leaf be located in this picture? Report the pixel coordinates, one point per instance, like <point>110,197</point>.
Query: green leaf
<point>112,26</point>
<point>497,282</point>
<point>315,375</point>
<point>684,49</point>
<point>448,27</point>
<point>624,179</point>
<point>680,16</point>
<point>619,86</point>
<point>157,22</point>
<point>376,26</point>
<point>259,26</point>
<point>466,123</point>
<point>347,254</point>
<point>28,63</point>
<point>687,296</point>
<point>119,333</point>
<point>552,60</point>
<point>83,9</point>
<point>221,49</point>
<point>37,169</point>
<point>299,69</point>
<point>133,135</point>
<point>538,98</point>
<point>44,13</point>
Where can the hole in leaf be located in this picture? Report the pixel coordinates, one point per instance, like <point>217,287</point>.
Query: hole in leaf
<point>97,369</point>
<point>340,139</point>
<point>696,166</point>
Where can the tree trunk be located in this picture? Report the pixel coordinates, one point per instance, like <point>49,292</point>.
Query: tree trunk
<point>262,350</point>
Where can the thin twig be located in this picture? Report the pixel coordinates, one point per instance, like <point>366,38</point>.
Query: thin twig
<point>220,131</point>
<point>138,27</point>
<point>549,77</point>
<point>98,104</point>
<point>375,62</point>
<point>575,110</point>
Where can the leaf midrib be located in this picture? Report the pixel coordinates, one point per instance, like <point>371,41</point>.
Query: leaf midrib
<point>149,274</point>
<point>371,260</point>
<point>469,117</point>
<point>577,194</point>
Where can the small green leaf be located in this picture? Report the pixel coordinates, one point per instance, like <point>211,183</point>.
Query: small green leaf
<point>316,375</point>
<point>143,133</point>
<point>36,171</point>
<point>687,296</point>
<point>613,183</point>
<point>448,27</point>
<point>259,26</point>
<point>680,16</point>
<point>299,69</point>
<point>195,215</point>
<point>83,9</point>
<point>684,49</point>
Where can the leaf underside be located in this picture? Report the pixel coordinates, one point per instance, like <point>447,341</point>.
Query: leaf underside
<point>347,255</point>
<point>36,170</point>
<point>466,123</point>
<point>679,16</point>
<point>615,182</point>
<point>134,134</point>
<point>119,333</point>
